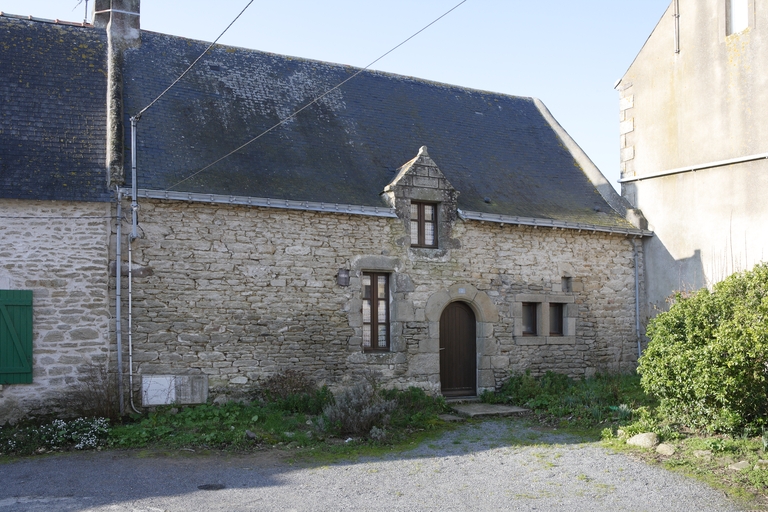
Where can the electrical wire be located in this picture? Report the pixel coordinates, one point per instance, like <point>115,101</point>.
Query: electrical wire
<point>315,100</point>
<point>141,112</point>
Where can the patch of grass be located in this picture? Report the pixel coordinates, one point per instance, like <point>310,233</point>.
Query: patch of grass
<point>567,403</point>
<point>618,404</point>
<point>288,420</point>
<point>707,458</point>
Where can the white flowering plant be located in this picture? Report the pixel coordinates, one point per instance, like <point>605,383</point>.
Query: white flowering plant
<point>57,435</point>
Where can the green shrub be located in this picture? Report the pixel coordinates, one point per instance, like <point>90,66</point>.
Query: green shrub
<point>706,361</point>
<point>414,409</point>
<point>358,409</point>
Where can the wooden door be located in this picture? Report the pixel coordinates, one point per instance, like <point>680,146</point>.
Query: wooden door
<point>458,352</point>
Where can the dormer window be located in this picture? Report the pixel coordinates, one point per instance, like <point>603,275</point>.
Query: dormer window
<point>423,224</point>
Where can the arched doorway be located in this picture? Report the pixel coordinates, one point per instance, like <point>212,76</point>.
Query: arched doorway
<point>458,350</point>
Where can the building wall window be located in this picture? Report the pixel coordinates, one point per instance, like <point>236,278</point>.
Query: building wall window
<point>738,16</point>
<point>530,319</point>
<point>556,319</point>
<point>543,318</point>
<point>375,311</point>
<point>423,224</point>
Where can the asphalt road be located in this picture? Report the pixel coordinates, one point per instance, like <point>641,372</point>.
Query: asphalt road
<point>494,465</point>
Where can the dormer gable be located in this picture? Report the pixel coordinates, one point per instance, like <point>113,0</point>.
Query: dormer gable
<point>426,202</point>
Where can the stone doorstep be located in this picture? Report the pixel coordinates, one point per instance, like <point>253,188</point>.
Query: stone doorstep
<point>451,418</point>
<point>479,410</point>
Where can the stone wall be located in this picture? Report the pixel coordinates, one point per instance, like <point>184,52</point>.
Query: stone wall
<point>238,293</point>
<point>59,250</point>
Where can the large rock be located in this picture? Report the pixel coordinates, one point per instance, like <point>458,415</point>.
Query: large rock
<point>644,440</point>
<point>740,465</point>
<point>665,449</point>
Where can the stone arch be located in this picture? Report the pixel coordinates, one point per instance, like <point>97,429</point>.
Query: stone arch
<point>486,315</point>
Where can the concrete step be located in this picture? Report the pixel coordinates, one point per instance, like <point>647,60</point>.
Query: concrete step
<point>480,410</point>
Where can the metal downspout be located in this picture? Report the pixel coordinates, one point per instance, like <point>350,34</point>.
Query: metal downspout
<point>134,204</point>
<point>637,300</point>
<point>118,300</point>
<point>134,235</point>
<point>677,26</point>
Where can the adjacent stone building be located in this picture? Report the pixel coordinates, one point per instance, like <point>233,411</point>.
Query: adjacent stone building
<point>440,236</point>
<point>694,142</point>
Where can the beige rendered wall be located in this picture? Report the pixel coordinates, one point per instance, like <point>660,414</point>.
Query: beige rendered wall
<point>59,250</point>
<point>238,293</point>
<point>704,104</point>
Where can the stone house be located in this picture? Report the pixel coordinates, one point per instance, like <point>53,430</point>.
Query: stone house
<point>337,243</point>
<point>694,142</point>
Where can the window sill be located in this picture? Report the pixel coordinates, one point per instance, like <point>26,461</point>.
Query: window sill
<point>428,252</point>
<point>528,340</point>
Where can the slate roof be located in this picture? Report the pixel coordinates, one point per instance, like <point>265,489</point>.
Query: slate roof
<point>344,149</point>
<point>52,111</point>
<point>347,147</point>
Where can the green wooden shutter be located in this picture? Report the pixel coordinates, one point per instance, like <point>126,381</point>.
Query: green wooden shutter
<point>15,336</point>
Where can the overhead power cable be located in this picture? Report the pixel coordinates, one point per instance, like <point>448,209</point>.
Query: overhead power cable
<point>138,116</point>
<point>316,99</point>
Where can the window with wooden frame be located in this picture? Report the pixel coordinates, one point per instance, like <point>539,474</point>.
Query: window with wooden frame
<point>530,318</point>
<point>556,319</point>
<point>375,311</point>
<point>423,224</point>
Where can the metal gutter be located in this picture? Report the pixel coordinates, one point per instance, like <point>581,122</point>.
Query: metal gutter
<point>698,167</point>
<point>375,211</point>
<point>550,223</point>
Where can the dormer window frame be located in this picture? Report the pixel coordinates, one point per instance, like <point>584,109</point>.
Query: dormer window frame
<point>426,216</point>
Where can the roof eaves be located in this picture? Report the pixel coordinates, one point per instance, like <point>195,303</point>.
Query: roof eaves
<point>374,211</point>
<point>551,223</point>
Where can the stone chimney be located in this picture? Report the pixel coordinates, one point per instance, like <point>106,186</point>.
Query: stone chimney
<point>121,20</point>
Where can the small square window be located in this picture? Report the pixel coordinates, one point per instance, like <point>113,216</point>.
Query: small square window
<point>556,312</point>
<point>423,225</point>
<point>375,311</point>
<point>530,320</point>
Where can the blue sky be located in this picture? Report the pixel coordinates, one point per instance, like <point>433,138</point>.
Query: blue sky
<point>569,54</point>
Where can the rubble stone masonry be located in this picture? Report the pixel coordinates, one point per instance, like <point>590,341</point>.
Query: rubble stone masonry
<point>238,293</point>
<point>59,250</point>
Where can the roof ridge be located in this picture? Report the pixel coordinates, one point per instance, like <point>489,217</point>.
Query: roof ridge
<point>45,20</point>
<point>351,68</point>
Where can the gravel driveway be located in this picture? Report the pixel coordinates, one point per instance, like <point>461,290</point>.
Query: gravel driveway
<point>493,465</point>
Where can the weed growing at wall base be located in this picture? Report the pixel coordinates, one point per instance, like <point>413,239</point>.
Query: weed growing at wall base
<point>562,401</point>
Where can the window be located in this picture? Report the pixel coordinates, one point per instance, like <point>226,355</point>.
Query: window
<point>530,313</point>
<point>423,225</point>
<point>375,311</point>
<point>556,311</point>
<point>738,16</point>
<point>567,284</point>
